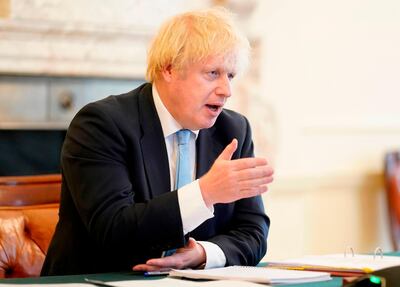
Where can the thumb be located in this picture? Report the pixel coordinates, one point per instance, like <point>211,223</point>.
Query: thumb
<point>191,243</point>
<point>227,153</point>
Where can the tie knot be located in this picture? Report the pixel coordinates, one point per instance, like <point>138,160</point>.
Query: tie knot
<point>183,136</point>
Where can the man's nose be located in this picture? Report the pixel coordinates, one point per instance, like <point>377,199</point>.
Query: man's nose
<point>224,86</point>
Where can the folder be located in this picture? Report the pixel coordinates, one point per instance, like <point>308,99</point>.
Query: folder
<point>338,264</point>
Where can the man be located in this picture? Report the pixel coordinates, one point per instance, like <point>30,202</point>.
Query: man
<point>121,207</point>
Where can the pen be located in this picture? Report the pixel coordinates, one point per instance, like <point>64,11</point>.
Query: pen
<point>158,272</point>
<point>98,282</point>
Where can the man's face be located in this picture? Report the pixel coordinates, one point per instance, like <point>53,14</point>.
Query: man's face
<point>197,94</point>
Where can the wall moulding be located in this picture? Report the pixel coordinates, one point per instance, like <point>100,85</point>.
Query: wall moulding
<point>43,48</point>
<point>353,182</point>
<point>82,38</point>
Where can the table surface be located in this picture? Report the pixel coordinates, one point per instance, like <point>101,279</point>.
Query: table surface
<point>123,276</point>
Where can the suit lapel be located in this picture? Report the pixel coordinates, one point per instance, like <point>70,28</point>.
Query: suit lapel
<point>207,150</point>
<point>208,147</point>
<point>154,151</point>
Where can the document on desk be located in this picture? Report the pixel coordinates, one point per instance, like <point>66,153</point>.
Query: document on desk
<point>176,282</point>
<point>338,264</point>
<point>254,274</point>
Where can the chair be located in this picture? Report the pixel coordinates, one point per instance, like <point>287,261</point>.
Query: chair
<point>28,215</point>
<point>392,183</point>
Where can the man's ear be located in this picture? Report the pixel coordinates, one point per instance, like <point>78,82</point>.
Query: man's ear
<point>166,73</point>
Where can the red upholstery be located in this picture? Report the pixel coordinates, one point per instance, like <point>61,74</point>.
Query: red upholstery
<point>28,215</point>
<point>392,181</point>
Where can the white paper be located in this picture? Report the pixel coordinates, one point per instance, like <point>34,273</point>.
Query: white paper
<point>254,274</point>
<point>151,282</point>
<point>168,282</point>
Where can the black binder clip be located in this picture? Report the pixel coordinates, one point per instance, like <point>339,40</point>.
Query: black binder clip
<point>367,281</point>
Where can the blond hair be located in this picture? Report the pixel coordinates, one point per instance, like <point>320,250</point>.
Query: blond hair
<point>193,36</point>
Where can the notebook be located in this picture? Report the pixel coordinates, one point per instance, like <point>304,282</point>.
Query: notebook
<point>338,264</point>
<point>253,274</point>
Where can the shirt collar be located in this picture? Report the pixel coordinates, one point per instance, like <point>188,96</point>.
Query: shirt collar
<point>168,123</point>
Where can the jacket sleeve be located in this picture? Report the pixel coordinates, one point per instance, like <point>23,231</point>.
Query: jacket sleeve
<point>244,240</point>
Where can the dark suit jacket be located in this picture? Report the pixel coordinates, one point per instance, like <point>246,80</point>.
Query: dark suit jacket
<point>117,209</point>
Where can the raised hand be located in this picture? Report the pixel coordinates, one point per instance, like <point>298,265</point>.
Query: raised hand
<point>230,180</point>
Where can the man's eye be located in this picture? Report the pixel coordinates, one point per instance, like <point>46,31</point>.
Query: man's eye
<point>231,76</point>
<point>213,74</point>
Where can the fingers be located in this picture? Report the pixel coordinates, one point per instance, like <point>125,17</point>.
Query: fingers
<point>248,162</point>
<point>227,153</point>
<point>254,183</point>
<point>230,180</point>
<point>173,261</point>
<point>164,263</point>
<point>187,256</point>
<point>146,268</point>
<point>178,259</point>
<point>254,191</point>
<point>254,173</point>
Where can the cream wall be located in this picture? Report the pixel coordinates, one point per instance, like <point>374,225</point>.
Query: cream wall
<point>330,74</point>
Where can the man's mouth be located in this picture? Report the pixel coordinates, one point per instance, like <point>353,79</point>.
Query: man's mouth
<point>214,108</point>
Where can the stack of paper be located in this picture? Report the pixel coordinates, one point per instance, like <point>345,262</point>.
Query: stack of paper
<point>338,264</point>
<point>254,274</point>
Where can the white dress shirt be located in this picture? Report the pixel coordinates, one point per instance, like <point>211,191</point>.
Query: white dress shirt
<point>192,207</point>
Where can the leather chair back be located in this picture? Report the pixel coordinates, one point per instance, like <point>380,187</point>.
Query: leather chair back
<point>28,215</point>
<point>392,183</point>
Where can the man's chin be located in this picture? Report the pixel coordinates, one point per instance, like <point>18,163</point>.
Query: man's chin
<point>200,123</point>
<point>208,124</point>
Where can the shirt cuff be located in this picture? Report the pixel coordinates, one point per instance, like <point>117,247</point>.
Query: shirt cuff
<point>192,206</point>
<point>215,257</point>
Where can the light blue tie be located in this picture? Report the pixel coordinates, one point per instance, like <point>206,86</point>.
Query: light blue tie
<point>183,170</point>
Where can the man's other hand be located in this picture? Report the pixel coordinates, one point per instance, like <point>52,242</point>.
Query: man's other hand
<point>191,255</point>
<point>230,180</point>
